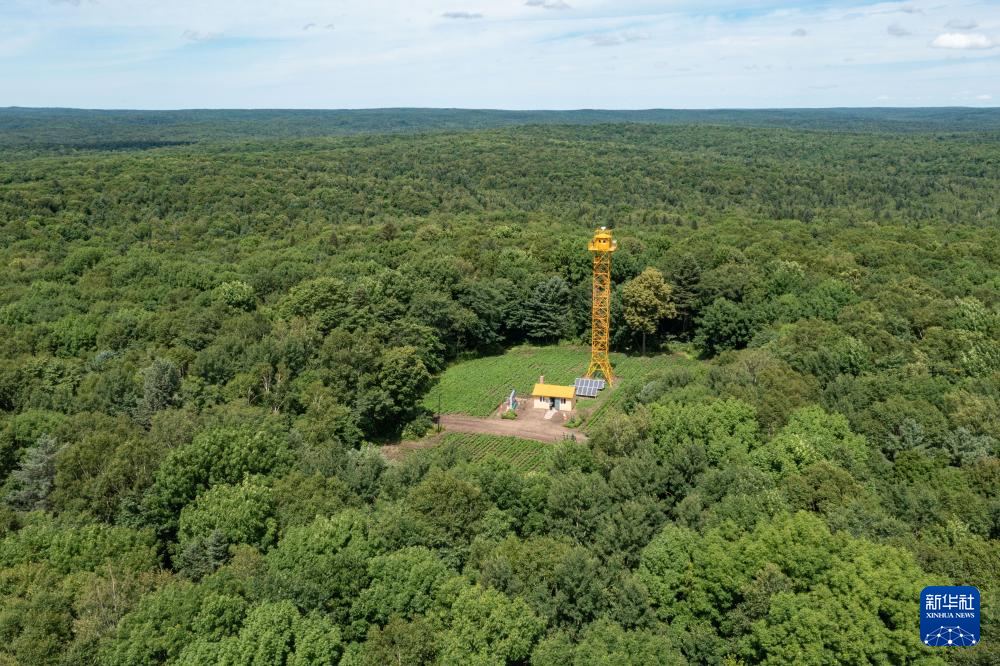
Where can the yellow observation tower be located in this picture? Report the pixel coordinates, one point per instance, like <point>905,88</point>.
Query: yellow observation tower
<point>602,245</point>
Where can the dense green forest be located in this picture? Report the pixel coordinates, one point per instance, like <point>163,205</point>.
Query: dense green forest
<point>75,129</point>
<point>203,345</point>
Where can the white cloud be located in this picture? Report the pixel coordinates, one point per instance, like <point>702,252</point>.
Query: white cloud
<point>12,46</point>
<point>614,39</point>
<point>897,30</point>
<point>462,15</point>
<point>962,40</point>
<point>959,24</point>
<point>523,53</point>
<point>197,36</point>
<point>548,4</point>
<point>984,98</point>
<point>604,40</point>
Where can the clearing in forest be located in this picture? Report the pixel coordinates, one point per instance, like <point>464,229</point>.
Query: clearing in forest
<point>477,387</point>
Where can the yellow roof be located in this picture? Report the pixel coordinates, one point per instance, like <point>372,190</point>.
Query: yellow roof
<point>554,391</point>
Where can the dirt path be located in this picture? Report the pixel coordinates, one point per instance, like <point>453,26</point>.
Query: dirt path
<point>547,432</point>
<point>540,431</point>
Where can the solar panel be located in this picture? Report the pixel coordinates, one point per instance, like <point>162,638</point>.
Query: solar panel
<point>587,387</point>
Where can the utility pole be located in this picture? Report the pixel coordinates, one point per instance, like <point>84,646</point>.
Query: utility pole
<point>438,419</point>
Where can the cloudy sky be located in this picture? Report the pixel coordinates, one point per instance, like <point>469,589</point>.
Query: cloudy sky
<point>514,54</point>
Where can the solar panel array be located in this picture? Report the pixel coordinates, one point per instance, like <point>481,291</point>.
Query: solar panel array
<point>588,388</point>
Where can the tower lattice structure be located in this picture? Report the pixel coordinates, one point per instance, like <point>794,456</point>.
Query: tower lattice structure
<point>602,245</point>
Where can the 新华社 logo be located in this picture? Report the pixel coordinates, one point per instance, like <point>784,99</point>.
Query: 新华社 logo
<point>949,615</point>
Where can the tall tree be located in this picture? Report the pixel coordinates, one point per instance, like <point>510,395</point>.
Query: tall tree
<point>684,277</point>
<point>390,397</point>
<point>544,314</point>
<point>648,300</point>
<point>160,383</point>
<point>33,479</point>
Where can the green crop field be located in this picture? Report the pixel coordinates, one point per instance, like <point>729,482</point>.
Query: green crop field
<point>478,387</point>
<point>522,454</point>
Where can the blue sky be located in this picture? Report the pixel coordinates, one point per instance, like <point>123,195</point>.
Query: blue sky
<point>514,54</point>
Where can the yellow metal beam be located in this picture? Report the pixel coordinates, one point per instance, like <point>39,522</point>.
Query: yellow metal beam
<point>602,245</point>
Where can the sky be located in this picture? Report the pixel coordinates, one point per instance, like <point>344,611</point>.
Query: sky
<point>507,54</point>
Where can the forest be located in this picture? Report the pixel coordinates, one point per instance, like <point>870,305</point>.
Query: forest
<point>206,335</point>
<point>71,130</point>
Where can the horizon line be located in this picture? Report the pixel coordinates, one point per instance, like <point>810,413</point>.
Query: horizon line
<point>501,109</point>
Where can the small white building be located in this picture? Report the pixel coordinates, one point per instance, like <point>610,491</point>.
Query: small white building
<point>553,396</point>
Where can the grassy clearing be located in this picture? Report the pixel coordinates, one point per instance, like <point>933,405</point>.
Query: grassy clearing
<point>477,387</point>
<point>522,454</point>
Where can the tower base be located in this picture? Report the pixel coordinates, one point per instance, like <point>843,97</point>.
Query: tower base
<point>601,365</point>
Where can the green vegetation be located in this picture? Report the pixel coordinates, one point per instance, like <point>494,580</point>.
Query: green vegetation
<point>201,347</point>
<point>477,387</point>
<point>73,129</point>
<point>647,300</point>
<point>523,455</point>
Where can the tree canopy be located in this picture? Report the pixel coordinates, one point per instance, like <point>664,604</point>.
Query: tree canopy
<point>209,324</point>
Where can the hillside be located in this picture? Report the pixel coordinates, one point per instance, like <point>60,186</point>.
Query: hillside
<point>203,345</point>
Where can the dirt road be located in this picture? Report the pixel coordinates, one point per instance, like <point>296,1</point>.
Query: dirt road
<point>538,430</point>
<point>529,426</point>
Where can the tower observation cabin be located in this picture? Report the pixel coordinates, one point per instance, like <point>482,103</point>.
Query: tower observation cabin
<point>602,241</point>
